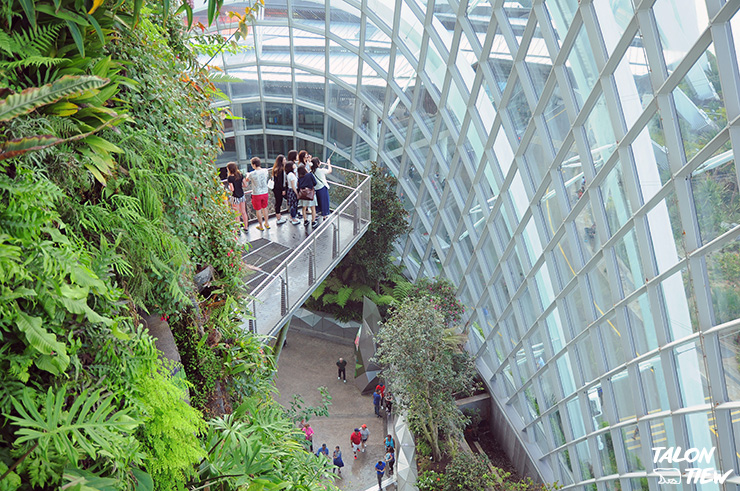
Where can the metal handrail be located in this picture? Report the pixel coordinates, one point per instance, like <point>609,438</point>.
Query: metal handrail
<point>312,238</point>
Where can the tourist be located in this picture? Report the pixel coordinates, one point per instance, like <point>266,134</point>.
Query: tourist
<point>388,403</point>
<point>380,469</point>
<point>356,440</point>
<point>291,193</point>
<point>293,157</point>
<point>322,185</point>
<point>280,186</point>
<point>309,435</point>
<point>258,179</point>
<point>236,186</point>
<point>338,462</point>
<point>323,450</point>
<point>365,433</point>
<point>389,442</point>
<point>376,402</point>
<point>307,199</point>
<point>341,369</point>
<point>390,459</point>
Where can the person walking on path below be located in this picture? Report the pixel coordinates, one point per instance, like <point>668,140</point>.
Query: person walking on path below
<point>376,402</point>
<point>341,370</point>
<point>390,459</point>
<point>309,435</point>
<point>236,186</point>
<point>388,403</point>
<point>380,469</point>
<point>389,443</point>
<point>365,435</point>
<point>356,440</point>
<point>338,462</point>
<point>258,179</point>
<point>323,450</point>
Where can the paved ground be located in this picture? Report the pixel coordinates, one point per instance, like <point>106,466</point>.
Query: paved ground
<point>308,362</point>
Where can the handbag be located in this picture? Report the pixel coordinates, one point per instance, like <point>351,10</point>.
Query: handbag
<point>271,183</point>
<point>306,194</point>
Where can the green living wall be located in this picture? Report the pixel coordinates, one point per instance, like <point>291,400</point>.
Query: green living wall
<point>109,205</point>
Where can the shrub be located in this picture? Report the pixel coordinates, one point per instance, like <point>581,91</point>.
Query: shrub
<point>468,471</point>
<point>431,481</point>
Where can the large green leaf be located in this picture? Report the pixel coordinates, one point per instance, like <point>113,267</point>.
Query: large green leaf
<point>68,86</point>
<point>19,146</point>
<point>54,358</point>
<point>91,425</point>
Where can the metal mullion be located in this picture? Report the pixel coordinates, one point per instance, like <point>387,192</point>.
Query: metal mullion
<point>651,44</point>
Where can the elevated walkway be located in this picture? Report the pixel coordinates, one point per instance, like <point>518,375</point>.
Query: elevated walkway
<point>290,261</point>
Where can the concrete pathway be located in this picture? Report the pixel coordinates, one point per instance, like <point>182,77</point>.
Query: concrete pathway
<point>307,363</point>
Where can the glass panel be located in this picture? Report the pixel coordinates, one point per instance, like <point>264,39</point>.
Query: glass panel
<point>581,67</point>
<point>565,370</point>
<point>310,121</point>
<point>664,222</point>
<point>500,60</point>
<point>639,313</point>
<point>586,227</point>
<point>617,206</point>
<point>633,448</point>
<point>629,264</point>
<point>600,133</point>
<point>651,158</point>
<point>691,374</point>
<point>252,114</point>
<point>679,27</point>
<point>518,109</point>
<point>680,305</point>
<point>254,146</point>
<point>561,15</point>
<point>699,104</point>
<point>277,81</point>
<point>279,116</point>
<point>341,101</point>
<point>309,87</point>
<point>714,188</point>
<point>729,345</point>
<point>653,385</point>
<point>581,312</point>
<point>611,339</point>
<point>538,61</point>
<point>538,159</point>
<point>556,118</point>
<point>723,268</point>
<point>339,134</point>
<point>587,351</point>
<point>624,395</point>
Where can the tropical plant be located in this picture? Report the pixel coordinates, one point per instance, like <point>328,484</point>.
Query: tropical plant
<point>369,261</point>
<point>418,366</point>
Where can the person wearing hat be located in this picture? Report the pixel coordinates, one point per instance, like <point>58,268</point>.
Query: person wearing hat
<point>356,440</point>
<point>365,433</point>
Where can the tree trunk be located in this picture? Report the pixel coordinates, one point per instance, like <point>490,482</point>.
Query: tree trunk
<point>281,340</point>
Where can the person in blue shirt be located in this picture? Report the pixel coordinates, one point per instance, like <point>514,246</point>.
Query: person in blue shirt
<point>380,469</point>
<point>376,400</point>
<point>323,450</point>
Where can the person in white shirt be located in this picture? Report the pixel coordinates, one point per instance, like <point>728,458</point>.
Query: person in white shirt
<point>322,186</point>
<point>258,179</point>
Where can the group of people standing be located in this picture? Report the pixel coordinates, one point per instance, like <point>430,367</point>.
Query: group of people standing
<point>300,180</point>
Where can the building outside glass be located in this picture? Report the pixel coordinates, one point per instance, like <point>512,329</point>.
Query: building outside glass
<point>570,168</point>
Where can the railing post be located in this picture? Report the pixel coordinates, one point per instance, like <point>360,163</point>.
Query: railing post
<point>335,242</point>
<point>356,216</point>
<point>283,297</point>
<point>253,322</point>
<point>311,277</point>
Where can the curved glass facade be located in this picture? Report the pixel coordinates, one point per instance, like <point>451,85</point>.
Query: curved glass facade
<point>570,168</point>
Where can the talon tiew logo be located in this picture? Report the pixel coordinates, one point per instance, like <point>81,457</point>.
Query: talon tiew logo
<point>664,456</point>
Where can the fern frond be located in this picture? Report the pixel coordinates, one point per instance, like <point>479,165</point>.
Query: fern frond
<point>32,61</point>
<point>343,295</point>
<point>361,291</point>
